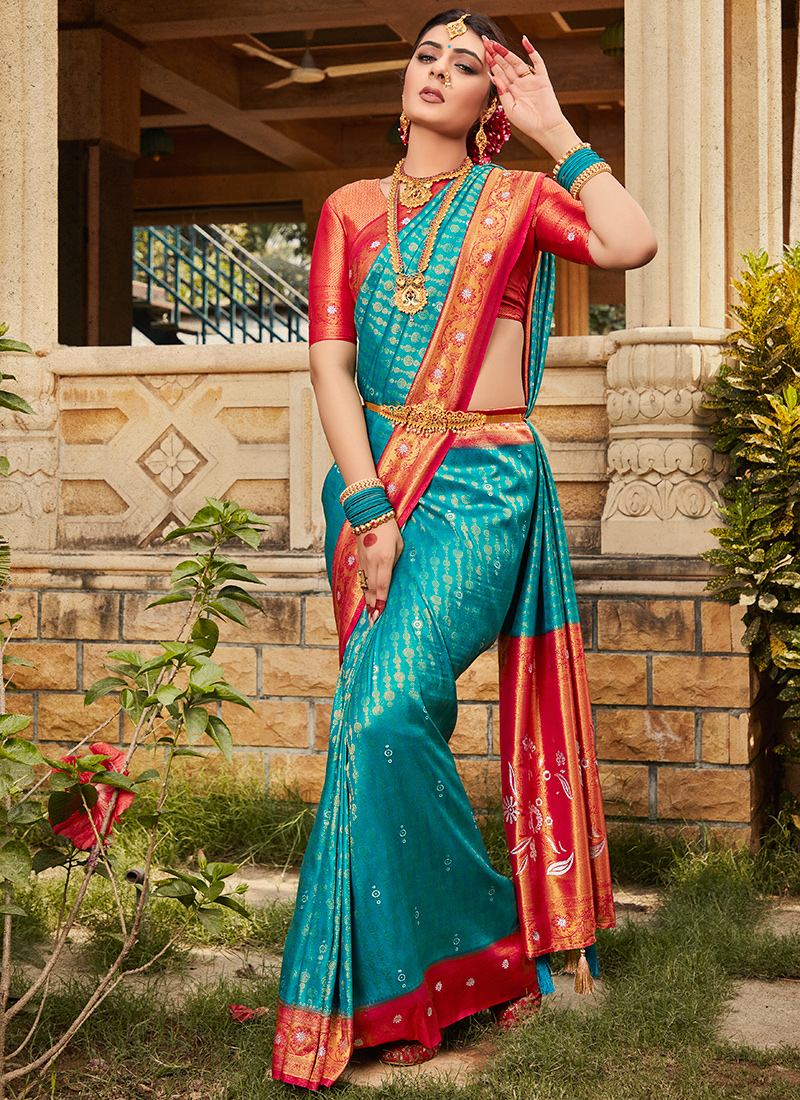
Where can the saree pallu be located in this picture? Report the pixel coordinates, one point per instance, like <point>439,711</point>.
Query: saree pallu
<point>402,926</point>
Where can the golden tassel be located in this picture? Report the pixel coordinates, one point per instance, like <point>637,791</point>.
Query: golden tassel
<point>571,961</point>
<point>584,983</point>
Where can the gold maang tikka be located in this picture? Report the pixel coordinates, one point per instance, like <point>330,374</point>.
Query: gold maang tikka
<point>458,26</point>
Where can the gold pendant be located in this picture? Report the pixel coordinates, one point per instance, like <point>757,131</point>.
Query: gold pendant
<point>410,295</point>
<point>415,193</point>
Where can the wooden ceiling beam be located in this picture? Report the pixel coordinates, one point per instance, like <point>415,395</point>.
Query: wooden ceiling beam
<point>188,96</point>
<point>150,20</point>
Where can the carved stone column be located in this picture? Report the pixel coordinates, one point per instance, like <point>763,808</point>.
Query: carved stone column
<point>28,261</point>
<point>665,476</point>
<point>702,154</point>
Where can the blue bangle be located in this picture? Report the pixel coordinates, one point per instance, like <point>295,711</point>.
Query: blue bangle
<point>366,505</point>
<point>574,165</point>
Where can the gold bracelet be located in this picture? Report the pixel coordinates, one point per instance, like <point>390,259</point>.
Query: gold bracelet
<point>364,527</point>
<point>357,486</point>
<point>565,158</point>
<point>587,174</point>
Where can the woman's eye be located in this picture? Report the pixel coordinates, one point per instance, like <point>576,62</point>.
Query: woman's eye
<point>466,68</point>
<point>425,57</point>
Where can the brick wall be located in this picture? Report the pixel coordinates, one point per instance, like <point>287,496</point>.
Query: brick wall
<point>669,680</point>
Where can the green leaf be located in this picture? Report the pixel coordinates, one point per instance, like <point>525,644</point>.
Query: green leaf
<point>184,570</point>
<point>233,592</point>
<point>102,687</point>
<point>12,659</point>
<point>21,751</point>
<point>212,891</point>
<point>768,602</point>
<point>212,920</point>
<point>219,871</point>
<point>7,344</point>
<point>14,776</point>
<point>195,721</point>
<point>174,888</point>
<point>230,694</point>
<point>184,596</point>
<point>25,813</point>
<point>168,694</point>
<point>205,672</point>
<point>46,858</point>
<point>221,736</point>
<point>14,402</point>
<point>15,862</point>
<point>188,752</point>
<point>148,776</point>
<point>237,906</point>
<point>13,723</point>
<point>227,609</point>
<point>10,910</point>
<point>116,779</point>
<point>5,466</point>
<point>205,633</point>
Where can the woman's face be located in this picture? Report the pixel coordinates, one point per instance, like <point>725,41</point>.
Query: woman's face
<point>452,110</point>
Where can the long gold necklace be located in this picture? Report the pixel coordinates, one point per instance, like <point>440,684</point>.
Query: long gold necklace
<point>417,189</point>
<point>410,295</point>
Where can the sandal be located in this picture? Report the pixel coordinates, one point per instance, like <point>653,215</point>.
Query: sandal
<point>509,1016</point>
<point>410,1053</point>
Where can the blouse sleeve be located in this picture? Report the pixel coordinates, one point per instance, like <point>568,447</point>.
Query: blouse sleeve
<point>331,305</point>
<point>560,226</point>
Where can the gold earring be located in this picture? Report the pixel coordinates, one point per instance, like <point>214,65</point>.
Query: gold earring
<point>405,122</point>
<point>480,137</point>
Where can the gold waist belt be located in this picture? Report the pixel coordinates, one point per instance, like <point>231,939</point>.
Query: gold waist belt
<point>428,418</point>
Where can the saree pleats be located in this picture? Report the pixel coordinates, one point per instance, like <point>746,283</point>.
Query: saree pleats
<point>433,928</point>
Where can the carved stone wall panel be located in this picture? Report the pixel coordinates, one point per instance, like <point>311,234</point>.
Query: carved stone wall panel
<point>172,446</point>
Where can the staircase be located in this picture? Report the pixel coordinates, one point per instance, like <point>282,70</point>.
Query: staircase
<point>195,284</point>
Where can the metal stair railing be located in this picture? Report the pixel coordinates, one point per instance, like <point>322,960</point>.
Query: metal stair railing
<point>217,282</point>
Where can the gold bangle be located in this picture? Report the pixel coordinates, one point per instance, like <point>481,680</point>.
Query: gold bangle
<point>364,527</point>
<point>587,174</point>
<point>357,486</point>
<point>565,158</point>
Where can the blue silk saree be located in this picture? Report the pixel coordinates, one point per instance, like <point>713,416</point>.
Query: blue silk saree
<point>402,926</point>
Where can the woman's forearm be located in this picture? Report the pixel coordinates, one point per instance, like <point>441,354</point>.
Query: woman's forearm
<point>340,408</point>
<point>622,236</point>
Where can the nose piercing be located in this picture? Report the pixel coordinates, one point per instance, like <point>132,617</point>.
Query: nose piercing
<point>447,81</point>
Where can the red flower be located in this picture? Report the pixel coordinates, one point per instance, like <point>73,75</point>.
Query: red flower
<point>242,1013</point>
<point>78,826</point>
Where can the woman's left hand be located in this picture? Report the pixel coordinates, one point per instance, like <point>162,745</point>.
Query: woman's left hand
<point>526,94</point>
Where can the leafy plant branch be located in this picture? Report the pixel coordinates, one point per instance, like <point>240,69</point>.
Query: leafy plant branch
<point>168,701</point>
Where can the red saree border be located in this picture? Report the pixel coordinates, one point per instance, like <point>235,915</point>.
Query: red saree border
<point>552,802</point>
<point>449,368</point>
<point>312,1049</point>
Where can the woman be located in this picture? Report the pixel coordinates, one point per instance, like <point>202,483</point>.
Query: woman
<point>431,299</point>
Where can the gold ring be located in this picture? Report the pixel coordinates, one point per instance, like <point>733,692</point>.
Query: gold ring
<point>361,577</point>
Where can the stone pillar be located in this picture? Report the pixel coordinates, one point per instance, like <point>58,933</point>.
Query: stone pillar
<point>98,144</point>
<point>28,261</point>
<point>702,154</point>
<point>29,170</point>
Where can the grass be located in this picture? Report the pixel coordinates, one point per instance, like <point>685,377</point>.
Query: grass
<point>652,1037</point>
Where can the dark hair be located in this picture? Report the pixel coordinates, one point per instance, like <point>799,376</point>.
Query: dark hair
<point>480,24</point>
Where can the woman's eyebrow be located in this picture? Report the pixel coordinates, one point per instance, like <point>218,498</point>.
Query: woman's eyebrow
<point>438,46</point>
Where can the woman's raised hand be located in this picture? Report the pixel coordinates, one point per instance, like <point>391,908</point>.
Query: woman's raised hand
<point>378,551</point>
<point>527,95</point>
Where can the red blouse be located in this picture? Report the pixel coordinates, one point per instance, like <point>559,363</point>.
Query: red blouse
<point>352,231</point>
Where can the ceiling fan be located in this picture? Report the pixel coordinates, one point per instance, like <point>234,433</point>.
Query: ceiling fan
<point>307,72</point>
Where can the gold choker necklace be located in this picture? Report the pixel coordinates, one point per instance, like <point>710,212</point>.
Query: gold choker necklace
<point>410,295</point>
<point>417,189</point>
